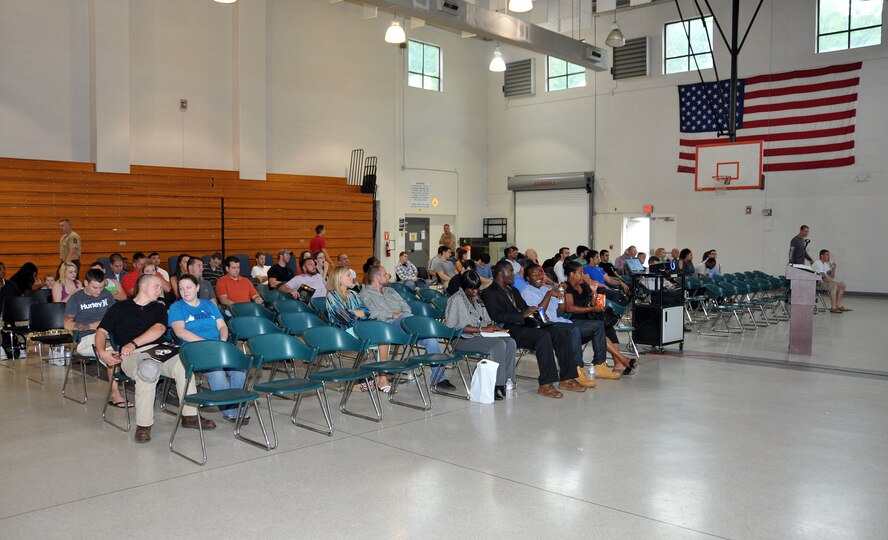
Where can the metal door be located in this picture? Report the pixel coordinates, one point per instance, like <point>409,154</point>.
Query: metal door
<point>416,240</point>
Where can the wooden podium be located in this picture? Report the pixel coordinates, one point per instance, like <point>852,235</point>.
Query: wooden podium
<point>804,296</point>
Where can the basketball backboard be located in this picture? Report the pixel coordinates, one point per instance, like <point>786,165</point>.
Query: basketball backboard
<point>729,166</point>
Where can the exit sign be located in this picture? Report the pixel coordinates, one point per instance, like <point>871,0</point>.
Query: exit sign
<point>647,209</point>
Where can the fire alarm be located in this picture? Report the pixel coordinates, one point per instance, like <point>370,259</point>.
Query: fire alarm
<point>183,104</point>
<point>647,209</point>
<point>748,210</point>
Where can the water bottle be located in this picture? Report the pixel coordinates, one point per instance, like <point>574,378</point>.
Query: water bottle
<point>560,294</point>
<point>510,389</point>
<point>590,371</point>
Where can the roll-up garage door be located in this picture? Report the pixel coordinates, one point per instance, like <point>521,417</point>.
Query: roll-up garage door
<point>547,220</point>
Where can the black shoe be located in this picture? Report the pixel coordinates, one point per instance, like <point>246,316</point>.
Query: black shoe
<point>445,385</point>
<point>499,392</point>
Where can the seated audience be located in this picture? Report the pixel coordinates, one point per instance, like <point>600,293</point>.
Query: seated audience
<point>828,282</point>
<point>642,257</point>
<point>232,288</point>
<point>310,277</point>
<point>321,263</point>
<point>117,267</point>
<point>344,261</point>
<point>482,266</point>
<point>597,273</point>
<point>344,306</point>
<point>48,282</point>
<point>408,273</point>
<point>371,261</point>
<point>620,262</point>
<point>306,254</point>
<point>205,291</point>
<point>193,319</point>
<point>280,273</point>
<point>465,310</point>
<point>461,255</point>
<point>110,284</point>
<point>558,264</point>
<point>455,282</point>
<point>25,278</point>
<point>67,283</point>
<point>260,271</point>
<point>546,299</point>
<point>84,310</point>
<point>441,266</point>
<point>154,258</point>
<point>685,263</point>
<point>214,271</point>
<point>710,267</point>
<point>130,278</point>
<point>137,325</point>
<point>582,255</point>
<point>386,305</point>
<point>580,301</point>
<point>506,307</point>
<point>181,270</point>
<point>150,269</point>
<point>660,253</point>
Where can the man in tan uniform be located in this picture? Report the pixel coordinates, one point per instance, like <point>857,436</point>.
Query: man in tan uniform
<point>447,238</point>
<point>69,244</point>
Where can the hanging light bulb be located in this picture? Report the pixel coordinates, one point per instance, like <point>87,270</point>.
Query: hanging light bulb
<point>615,38</point>
<point>520,6</point>
<point>497,64</point>
<point>395,33</point>
<point>225,1</point>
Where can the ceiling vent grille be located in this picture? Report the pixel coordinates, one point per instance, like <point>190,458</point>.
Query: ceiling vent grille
<point>518,78</point>
<point>631,60</point>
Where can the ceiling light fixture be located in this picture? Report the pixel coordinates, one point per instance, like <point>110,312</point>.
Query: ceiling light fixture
<point>225,1</point>
<point>497,64</point>
<point>395,33</point>
<point>520,6</point>
<point>616,37</point>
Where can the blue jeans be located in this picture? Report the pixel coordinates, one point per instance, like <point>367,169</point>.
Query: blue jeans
<point>418,284</point>
<point>221,379</point>
<point>431,346</point>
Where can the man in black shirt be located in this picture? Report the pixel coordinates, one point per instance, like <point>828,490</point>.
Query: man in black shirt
<point>280,273</point>
<point>606,264</point>
<point>798,247</point>
<point>506,306</point>
<point>137,325</point>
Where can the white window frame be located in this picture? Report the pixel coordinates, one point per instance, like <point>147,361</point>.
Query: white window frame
<point>567,74</point>
<point>691,56</point>
<point>847,31</point>
<point>439,77</point>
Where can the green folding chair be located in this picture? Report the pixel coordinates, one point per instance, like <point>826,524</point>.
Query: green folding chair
<point>427,328</point>
<point>243,328</point>
<point>270,297</point>
<point>331,341</point>
<point>421,309</point>
<point>376,333</point>
<point>212,355</point>
<point>297,323</point>
<point>282,348</point>
<point>290,305</point>
<point>250,309</point>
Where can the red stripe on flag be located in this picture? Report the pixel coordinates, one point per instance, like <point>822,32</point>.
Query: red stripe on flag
<point>682,168</point>
<point>816,72</point>
<point>802,88</point>
<point>789,120</point>
<point>687,155</point>
<point>806,165</point>
<point>814,149</point>
<point>803,104</point>
<point>791,136</point>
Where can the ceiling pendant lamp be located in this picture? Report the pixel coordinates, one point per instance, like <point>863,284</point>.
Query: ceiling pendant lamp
<point>497,64</point>
<point>395,33</point>
<point>520,6</point>
<point>615,38</point>
<point>225,1</point>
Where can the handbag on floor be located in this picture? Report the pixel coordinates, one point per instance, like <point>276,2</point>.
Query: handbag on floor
<point>483,382</point>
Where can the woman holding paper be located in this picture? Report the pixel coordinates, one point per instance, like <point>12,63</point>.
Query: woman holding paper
<point>480,334</point>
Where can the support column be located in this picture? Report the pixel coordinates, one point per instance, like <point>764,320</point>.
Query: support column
<point>109,84</point>
<point>250,152</point>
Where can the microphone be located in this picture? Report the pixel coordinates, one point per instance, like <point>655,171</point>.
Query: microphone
<point>807,242</point>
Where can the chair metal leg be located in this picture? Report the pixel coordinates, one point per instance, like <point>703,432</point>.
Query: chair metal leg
<point>325,408</point>
<point>165,393</point>
<point>238,423</point>
<point>462,376</point>
<point>374,397</point>
<point>108,402</point>
<point>426,400</point>
<point>82,378</point>
<point>40,355</point>
<point>203,444</point>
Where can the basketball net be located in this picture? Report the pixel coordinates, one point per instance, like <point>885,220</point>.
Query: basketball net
<point>721,183</point>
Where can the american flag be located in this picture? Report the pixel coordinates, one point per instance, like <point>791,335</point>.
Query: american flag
<point>805,117</point>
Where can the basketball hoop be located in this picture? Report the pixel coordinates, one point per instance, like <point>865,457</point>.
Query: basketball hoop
<point>721,183</point>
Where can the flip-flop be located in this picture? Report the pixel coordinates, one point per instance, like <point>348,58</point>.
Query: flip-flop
<point>387,389</point>
<point>122,404</point>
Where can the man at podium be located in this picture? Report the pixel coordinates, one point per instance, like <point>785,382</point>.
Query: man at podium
<point>798,247</point>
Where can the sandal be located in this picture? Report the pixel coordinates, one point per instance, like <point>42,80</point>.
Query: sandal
<point>122,404</point>
<point>365,388</point>
<point>387,389</point>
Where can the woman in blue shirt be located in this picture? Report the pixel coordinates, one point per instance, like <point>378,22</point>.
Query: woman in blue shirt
<point>193,319</point>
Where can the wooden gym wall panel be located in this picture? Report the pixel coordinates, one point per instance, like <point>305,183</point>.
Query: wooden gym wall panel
<point>172,211</point>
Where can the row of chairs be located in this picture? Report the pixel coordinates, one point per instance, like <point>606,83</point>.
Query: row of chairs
<point>751,300</point>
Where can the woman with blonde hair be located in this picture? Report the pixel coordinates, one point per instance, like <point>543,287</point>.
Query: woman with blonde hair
<point>67,284</point>
<point>660,253</point>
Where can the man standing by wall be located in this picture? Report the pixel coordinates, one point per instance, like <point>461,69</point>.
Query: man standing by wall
<point>447,238</point>
<point>70,247</point>
<point>798,247</point>
<point>319,242</point>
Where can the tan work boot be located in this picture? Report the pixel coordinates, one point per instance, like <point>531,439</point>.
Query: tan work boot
<point>585,381</point>
<point>604,372</point>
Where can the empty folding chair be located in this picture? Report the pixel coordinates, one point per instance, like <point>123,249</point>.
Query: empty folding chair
<point>48,322</point>
<point>250,309</point>
<point>377,333</point>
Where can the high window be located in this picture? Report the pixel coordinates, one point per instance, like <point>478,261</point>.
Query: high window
<point>688,45</point>
<point>848,24</point>
<point>423,65</point>
<point>561,75</point>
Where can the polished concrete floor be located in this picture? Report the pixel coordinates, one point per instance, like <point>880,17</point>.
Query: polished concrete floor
<point>734,438</point>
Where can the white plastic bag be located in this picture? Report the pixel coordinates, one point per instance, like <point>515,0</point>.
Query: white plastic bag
<point>483,382</point>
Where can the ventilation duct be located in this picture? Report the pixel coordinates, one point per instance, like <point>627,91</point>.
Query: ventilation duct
<point>460,16</point>
<point>518,78</point>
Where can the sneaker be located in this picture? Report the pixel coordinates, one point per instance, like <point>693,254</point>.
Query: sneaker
<point>584,381</point>
<point>604,372</point>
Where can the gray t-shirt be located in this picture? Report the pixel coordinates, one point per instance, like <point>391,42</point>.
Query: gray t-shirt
<point>206,291</point>
<point>88,309</point>
<point>447,267</point>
